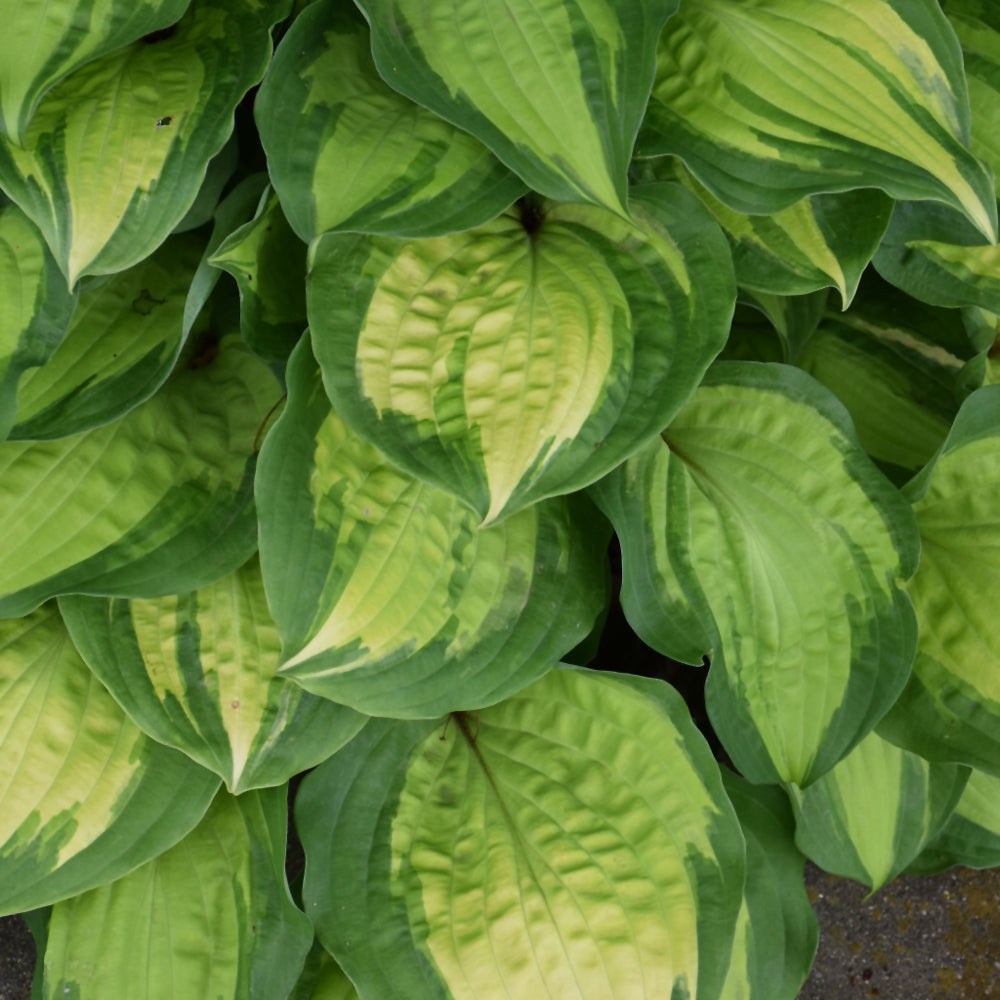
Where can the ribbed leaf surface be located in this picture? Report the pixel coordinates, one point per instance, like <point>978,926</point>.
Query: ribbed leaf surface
<point>572,841</point>
<point>85,796</point>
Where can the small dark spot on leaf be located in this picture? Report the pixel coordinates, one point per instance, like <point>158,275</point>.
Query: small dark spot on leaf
<point>159,36</point>
<point>145,303</point>
<point>205,356</point>
<point>164,121</point>
<point>530,213</point>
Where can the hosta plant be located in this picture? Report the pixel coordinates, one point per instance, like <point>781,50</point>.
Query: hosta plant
<point>377,378</point>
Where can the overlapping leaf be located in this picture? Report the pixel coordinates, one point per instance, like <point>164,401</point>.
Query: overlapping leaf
<point>767,102</point>
<point>347,152</point>
<point>158,502</point>
<point>85,796</point>
<point>43,42</point>
<point>387,595</point>
<point>758,533</point>
<point>35,307</point>
<point>573,840</point>
<point>121,345</point>
<point>210,918</point>
<point>557,91</point>
<point>950,710</point>
<point>870,816</point>
<point>115,153</point>
<point>529,357</point>
<point>197,672</point>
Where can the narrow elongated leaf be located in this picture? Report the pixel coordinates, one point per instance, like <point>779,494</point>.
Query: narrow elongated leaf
<point>387,596</point>
<point>268,262</point>
<point>971,837</point>
<point>951,706</point>
<point>777,932</point>
<point>347,152</point>
<point>158,502</point>
<point>768,101</point>
<point>575,841</point>
<point>35,307</point>
<point>120,347</point>
<point>115,153</point>
<point>557,91</point>
<point>758,533</point>
<point>870,816</point>
<point>197,672</point>
<point>210,918</point>
<point>43,42</point>
<point>85,796</point>
<point>529,357</point>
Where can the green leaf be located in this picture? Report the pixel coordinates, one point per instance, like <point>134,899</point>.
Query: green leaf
<point>870,816</point>
<point>767,102</point>
<point>86,796</point>
<point>122,342</point>
<point>758,533</point>
<point>158,502</point>
<point>116,152</point>
<point>777,931</point>
<point>387,595</point>
<point>793,318</point>
<point>268,262</point>
<point>323,979</point>
<point>210,918</point>
<point>951,706</point>
<point>35,307</point>
<point>197,671</point>
<point>573,840</point>
<point>347,152</point>
<point>971,837</point>
<point>43,42</point>
<point>526,358</point>
<point>556,90</point>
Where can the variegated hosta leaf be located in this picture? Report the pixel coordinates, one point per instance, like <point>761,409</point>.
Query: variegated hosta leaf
<point>819,242</point>
<point>971,837</point>
<point>35,306</point>
<point>387,595</point>
<point>42,42</point>
<point>768,101</point>
<point>950,709</point>
<point>348,152</point>
<point>529,357</point>
<point>572,841</point>
<point>323,979</point>
<point>777,931</point>
<point>210,918</point>
<point>121,345</point>
<point>85,795</point>
<point>115,153</point>
<point>870,816</point>
<point>158,502</point>
<point>268,262</point>
<point>196,671</point>
<point>556,90</point>
<point>793,319</point>
<point>758,533</point>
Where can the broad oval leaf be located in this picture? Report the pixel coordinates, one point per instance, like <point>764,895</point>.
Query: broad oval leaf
<point>85,796</point>
<point>950,709</point>
<point>35,308</point>
<point>197,671</point>
<point>556,90</point>
<point>116,152</point>
<point>529,357</point>
<point>573,840</point>
<point>157,502</point>
<point>43,42</point>
<point>347,152</point>
<point>758,533</point>
<point>870,816</point>
<point>210,918</point>
<point>121,344</point>
<point>387,595</point>
<point>768,101</point>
